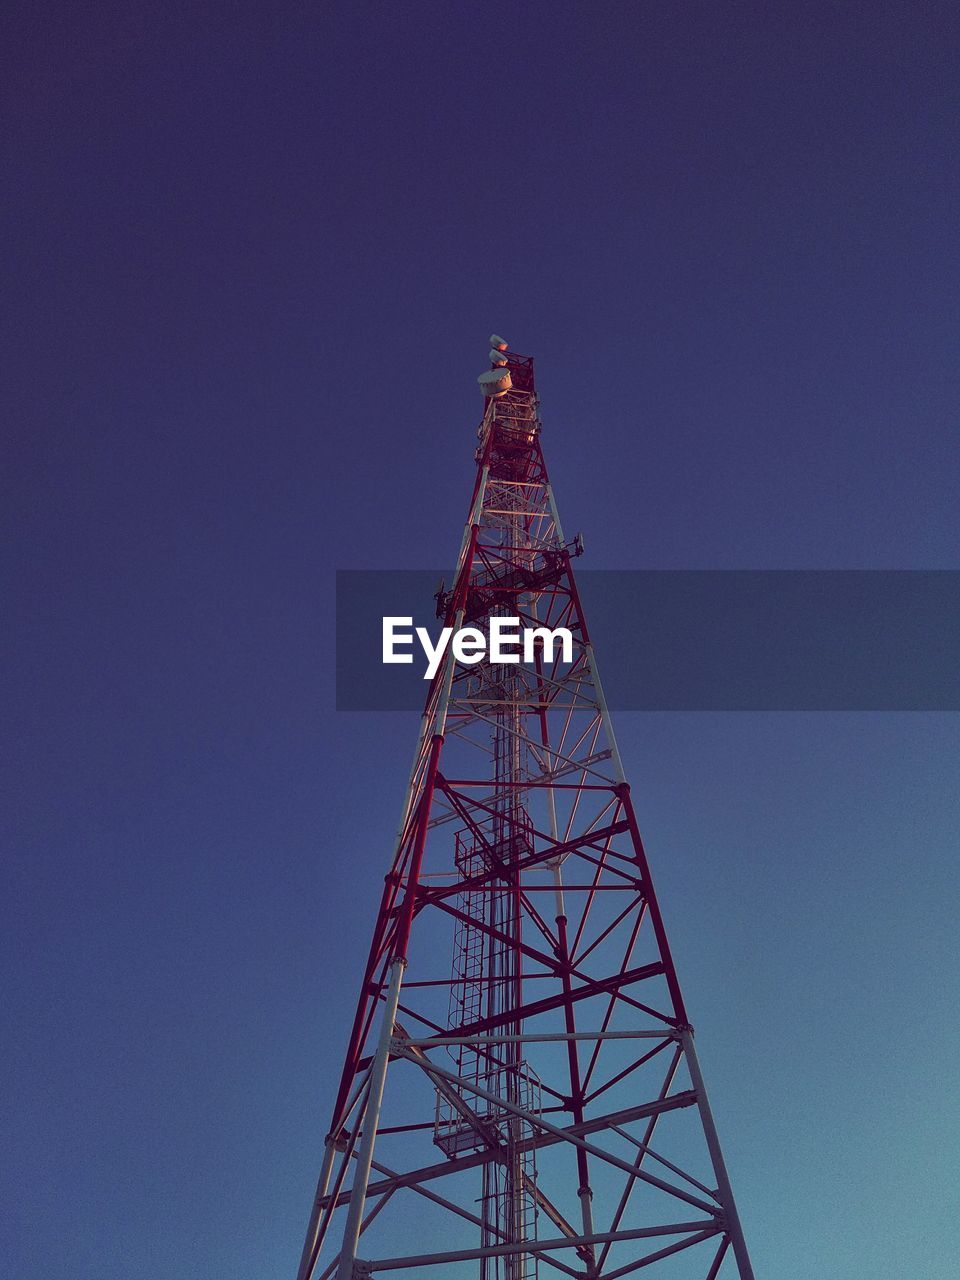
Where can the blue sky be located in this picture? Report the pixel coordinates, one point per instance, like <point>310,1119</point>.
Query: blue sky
<point>252,261</point>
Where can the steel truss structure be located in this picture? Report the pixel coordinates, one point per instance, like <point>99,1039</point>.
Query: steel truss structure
<point>535,1104</point>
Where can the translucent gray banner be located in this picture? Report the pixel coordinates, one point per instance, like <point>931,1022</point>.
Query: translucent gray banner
<point>705,640</point>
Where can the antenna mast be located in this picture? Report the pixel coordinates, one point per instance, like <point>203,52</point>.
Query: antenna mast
<point>534,1104</point>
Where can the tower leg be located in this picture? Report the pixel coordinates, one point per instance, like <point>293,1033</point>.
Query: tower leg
<point>734,1229</point>
<point>371,1118</point>
<point>323,1182</point>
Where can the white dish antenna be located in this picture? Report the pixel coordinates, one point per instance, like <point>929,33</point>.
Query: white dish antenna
<point>495,382</point>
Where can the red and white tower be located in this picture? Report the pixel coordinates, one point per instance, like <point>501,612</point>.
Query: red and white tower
<point>521,1094</point>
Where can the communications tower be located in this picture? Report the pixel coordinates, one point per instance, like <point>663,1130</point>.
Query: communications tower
<point>521,1094</point>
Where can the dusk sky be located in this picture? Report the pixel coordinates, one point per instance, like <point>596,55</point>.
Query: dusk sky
<point>252,255</point>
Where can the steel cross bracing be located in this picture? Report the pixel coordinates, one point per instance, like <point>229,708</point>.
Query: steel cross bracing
<point>521,1093</point>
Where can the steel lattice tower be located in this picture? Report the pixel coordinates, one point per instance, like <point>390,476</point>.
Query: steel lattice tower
<point>536,1104</point>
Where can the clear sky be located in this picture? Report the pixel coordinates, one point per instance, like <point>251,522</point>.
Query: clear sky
<point>252,254</point>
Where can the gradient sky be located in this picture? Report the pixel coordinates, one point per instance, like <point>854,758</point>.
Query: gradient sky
<point>252,256</point>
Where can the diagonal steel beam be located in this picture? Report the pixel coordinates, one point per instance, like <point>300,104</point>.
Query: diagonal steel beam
<point>532,1118</point>
<point>427,1173</point>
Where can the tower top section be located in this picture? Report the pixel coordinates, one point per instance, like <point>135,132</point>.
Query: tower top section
<point>508,371</point>
<point>509,395</point>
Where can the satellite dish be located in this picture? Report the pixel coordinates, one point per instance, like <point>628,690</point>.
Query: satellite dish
<point>497,357</point>
<point>495,382</point>
<point>498,343</point>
